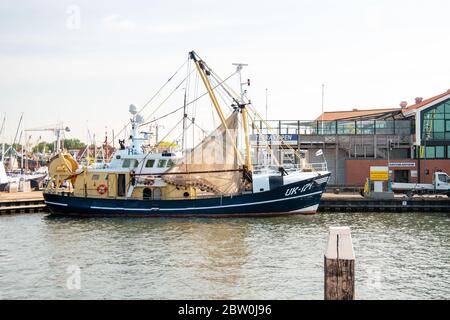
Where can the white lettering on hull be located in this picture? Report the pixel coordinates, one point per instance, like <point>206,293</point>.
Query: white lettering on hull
<point>293,191</point>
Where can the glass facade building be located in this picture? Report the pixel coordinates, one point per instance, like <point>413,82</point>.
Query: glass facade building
<point>435,131</point>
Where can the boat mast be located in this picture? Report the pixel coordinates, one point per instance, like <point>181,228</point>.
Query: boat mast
<point>203,74</point>
<point>11,148</point>
<point>1,136</point>
<point>243,107</point>
<point>23,141</point>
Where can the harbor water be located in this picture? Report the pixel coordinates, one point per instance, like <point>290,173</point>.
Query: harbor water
<point>398,256</point>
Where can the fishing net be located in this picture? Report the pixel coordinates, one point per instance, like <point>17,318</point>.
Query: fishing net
<point>212,165</point>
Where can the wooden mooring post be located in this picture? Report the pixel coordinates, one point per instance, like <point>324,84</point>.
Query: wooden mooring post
<point>339,265</point>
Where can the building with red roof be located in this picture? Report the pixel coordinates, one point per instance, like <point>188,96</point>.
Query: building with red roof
<point>413,140</point>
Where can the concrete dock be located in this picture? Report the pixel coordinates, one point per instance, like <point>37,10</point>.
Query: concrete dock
<point>353,202</point>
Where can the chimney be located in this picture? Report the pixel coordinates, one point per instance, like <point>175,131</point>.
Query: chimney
<point>419,100</point>
<point>403,104</point>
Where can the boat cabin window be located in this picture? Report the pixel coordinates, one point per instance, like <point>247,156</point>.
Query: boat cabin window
<point>170,163</point>
<point>150,163</point>
<point>129,163</point>
<point>95,177</point>
<point>162,163</point>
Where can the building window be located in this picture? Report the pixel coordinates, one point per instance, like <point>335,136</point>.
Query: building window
<point>440,152</point>
<point>430,153</point>
<point>346,127</point>
<point>436,122</point>
<point>436,152</point>
<point>447,125</point>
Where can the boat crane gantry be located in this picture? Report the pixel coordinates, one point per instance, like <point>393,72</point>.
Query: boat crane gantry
<point>204,72</point>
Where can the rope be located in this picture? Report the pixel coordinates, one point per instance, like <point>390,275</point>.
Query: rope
<point>170,131</point>
<point>167,98</point>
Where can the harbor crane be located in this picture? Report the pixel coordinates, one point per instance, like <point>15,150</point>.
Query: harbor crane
<point>58,131</point>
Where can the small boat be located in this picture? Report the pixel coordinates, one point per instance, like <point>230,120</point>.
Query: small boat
<point>36,178</point>
<point>212,179</point>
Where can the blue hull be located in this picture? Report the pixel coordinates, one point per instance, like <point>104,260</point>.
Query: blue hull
<point>297,198</point>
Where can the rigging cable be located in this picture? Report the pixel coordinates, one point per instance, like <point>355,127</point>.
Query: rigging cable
<point>276,134</point>
<point>167,98</point>
<point>187,104</point>
<point>154,96</point>
<point>264,140</point>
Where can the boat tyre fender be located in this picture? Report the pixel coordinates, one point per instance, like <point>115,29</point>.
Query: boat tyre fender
<point>102,189</point>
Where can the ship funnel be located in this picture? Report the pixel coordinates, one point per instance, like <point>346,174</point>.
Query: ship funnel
<point>133,109</point>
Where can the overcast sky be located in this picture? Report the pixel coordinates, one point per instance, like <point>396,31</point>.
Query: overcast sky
<point>85,62</point>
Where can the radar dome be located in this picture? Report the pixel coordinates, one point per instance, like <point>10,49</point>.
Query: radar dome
<point>133,109</point>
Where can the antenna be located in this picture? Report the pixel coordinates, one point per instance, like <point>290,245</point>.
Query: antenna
<point>239,67</point>
<point>267,105</point>
<point>323,97</point>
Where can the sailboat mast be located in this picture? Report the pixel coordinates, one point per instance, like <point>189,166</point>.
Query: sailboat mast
<point>1,136</point>
<point>23,141</point>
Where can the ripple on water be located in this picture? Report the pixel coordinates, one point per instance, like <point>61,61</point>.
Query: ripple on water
<point>399,256</point>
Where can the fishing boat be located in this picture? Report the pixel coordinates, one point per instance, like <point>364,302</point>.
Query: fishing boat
<point>214,178</point>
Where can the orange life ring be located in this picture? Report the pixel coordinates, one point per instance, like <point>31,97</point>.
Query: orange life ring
<point>102,189</point>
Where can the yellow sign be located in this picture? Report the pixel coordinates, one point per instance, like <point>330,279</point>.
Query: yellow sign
<point>379,173</point>
<point>379,176</point>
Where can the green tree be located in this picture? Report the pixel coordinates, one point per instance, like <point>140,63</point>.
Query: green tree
<point>49,147</point>
<point>17,146</point>
<point>73,144</point>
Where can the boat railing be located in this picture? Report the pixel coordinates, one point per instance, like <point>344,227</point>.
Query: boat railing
<point>69,192</point>
<point>291,167</point>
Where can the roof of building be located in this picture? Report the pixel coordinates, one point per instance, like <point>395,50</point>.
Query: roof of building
<point>426,101</point>
<point>355,113</point>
